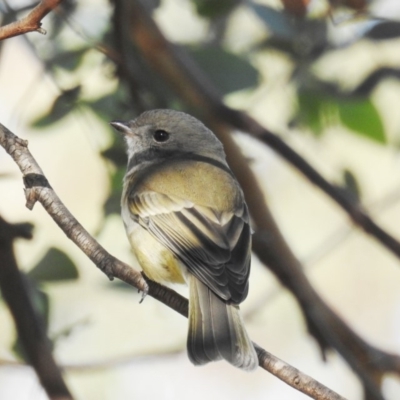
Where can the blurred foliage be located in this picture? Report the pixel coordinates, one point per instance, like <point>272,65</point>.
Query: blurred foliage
<point>351,185</point>
<point>54,266</point>
<point>301,39</point>
<point>62,106</point>
<point>213,9</point>
<point>69,59</point>
<point>41,303</point>
<point>320,109</point>
<point>227,71</point>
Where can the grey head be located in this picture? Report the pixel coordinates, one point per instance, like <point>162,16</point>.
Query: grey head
<point>159,134</point>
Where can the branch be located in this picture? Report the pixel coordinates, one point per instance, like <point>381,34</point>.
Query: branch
<point>300,381</point>
<point>194,89</point>
<point>355,211</point>
<point>38,189</point>
<point>98,365</point>
<point>30,328</point>
<point>30,23</point>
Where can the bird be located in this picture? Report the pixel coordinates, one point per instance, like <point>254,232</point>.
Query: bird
<point>187,221</point>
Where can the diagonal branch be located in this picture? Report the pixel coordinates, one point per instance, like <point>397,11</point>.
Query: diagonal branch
<point>30,23</point>
<point>30,330</point>
<point>355,211</point>
<point>196,90</point>
<point>38,189</point>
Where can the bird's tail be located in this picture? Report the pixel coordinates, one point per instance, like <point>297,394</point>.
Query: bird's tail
<point>216,330</point>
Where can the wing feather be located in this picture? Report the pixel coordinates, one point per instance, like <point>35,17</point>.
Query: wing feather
<point>214,246</point>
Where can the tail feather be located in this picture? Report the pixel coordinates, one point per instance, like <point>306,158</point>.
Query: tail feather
<point>216,330</point>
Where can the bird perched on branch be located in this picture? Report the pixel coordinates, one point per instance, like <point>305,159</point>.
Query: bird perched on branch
<point>187,221</point>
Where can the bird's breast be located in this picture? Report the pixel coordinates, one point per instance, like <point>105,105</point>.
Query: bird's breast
<point>157,262</point>
<point>199,182</point>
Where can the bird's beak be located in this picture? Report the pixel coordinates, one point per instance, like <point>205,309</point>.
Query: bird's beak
<point>121,126</point>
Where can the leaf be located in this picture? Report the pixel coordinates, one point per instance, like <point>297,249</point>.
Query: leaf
<point>315,108</point>
<point>362,117</point>
<point>18,349</point>
<point>68,60</point>
<point>58,19</point>
<point>318,109</point>
<point>226,70</point>
<point>112,105</point>
<point>113,203</point>
<point>53,267</point>
<point>358,5</point>
<point>105,106</point>
<point>351,185</point>
<point>212,8</point>
<point>384,30</point>
<point>277,22</point>
<point>302,38</point>
<point>117,179</point>
<point>116,154</point>
<point>62,105</point>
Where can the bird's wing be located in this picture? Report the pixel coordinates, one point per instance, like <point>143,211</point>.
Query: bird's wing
<point>215,247</point>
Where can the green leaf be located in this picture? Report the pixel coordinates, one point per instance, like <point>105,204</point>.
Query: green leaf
<point>110,106</point>
<point>58,20</point>
<point>53,267</point>
<point>314,110</point>
<point>116,154</point>
<point>117,179</point>
<point>302,38</point>
<point>362,117</point>
<point>384,30</point>
<point>318,109</point>
<point>113,203</point>
<point>105,106</point>
<point>62,105</point>
<point>226,70</point>
<point>351,185</point>
<point>68,60</point>
<point>18,349</point>
<point>277,22</point>
<point>212,8</point>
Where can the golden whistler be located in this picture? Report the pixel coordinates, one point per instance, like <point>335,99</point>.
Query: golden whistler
<point>187,221</point>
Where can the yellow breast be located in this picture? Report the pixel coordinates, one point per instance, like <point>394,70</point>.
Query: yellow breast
<point>199,182</point>
<point>157,262</point>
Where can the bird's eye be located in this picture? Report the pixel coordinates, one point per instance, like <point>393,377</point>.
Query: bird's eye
<point>160,135</point>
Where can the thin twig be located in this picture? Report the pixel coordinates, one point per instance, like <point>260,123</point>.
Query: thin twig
<point>30,328</point>
<point>30,23</point>
<point>111,362</point>
<point>38,189</point>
